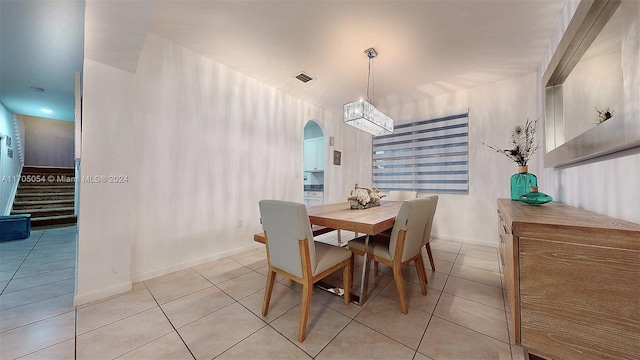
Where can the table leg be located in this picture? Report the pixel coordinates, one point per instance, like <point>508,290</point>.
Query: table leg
<point>339,237</point>
<point>364,283</point>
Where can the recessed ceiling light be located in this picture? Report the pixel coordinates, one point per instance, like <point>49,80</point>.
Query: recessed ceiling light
<point>47,111</point>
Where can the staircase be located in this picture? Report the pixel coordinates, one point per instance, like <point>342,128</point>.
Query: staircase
<point>47,193</point>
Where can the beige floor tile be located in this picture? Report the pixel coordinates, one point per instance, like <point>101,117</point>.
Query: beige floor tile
<point>283,299</point>
<point>61,351</point>
<point>481,254</point>
<point>442,266</point>
<point>212,263</point>
<point>115,309</point>
<point>7,275</point>
<point>265,344</point>
<point>475,316</point>
<point>225,271</point>
<point>33,337</point>
<point>491,265</point>
<point>471,290</point>
<point>169,277</point>
<point>254,261</point>
<point>383,315</point>
<point>215,333</point>
<point>376,283</point>
<point>357,341</point>
<point>336,303</point>
<point>480,247</point>
<point>446,340</point>
<point>243,285</point>
<point>169,346</point>
<point>40,279</point>
<point>440,255</point>
<point>10,265</point>
<point>413,293</point>
<point>323,325</point>
<point>29,295</point>
<point>420,356</point>
<point>177,288</point>
<point>123,336</point>
<point>476,274</point>
<point>518,353</point>
<point>194,306</point>
<point>36,311</point>
<point>257,251</point>
<point>134,287</point>
<point>44,268</point>
<point>436,280</point>
<point>443,246</point>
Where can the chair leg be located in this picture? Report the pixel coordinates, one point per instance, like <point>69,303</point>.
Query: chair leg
<point>346,279</point>
<point>422,275</point>
<point>267,292</point>
<point>352,261</point>
<point>304,310</point>
<point>375,268</point>
<point>397,275</point>
<point>433,266</point>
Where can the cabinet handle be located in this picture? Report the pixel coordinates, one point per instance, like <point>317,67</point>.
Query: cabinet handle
<point>505,229</point>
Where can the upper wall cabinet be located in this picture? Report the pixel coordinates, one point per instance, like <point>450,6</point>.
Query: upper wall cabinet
<point>591,104</point>
<point>314,155</point>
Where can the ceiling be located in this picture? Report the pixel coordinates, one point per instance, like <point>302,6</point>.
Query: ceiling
<point>41,46</point>
<point>426,48</point>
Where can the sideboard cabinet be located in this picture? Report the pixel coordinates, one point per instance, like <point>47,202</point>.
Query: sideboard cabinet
<point>572,281</point>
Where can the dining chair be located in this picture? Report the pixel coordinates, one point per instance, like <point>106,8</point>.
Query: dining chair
<point>427,231</point>
<point>404,245</point>
<point>292,253</point>
<point>395,195</point>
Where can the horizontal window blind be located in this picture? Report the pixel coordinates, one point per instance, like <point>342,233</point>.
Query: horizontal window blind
<point>425,156</point>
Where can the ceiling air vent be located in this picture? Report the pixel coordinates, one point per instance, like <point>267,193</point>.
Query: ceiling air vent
<point>305,78</point>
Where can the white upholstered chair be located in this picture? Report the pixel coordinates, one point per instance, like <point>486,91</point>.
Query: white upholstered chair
<point>291,252</point>
<point>427,232</point>
<point>404,245</point>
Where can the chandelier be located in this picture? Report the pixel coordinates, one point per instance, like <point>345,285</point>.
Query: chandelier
<point>363,115</point>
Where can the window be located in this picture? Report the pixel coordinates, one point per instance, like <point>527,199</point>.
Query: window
<point>425,156</point>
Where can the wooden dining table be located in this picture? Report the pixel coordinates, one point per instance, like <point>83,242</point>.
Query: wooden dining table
<point>368,222</point>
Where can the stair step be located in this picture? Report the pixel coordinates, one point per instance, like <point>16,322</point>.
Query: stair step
<point>46,170</point>
<point>53,220</point>
<point>45,189</point>
<point>44,197</point>
<point>44,212</point>
<point>42,204</point>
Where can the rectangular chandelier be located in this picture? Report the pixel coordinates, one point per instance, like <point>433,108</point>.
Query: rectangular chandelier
<point>364,116</point>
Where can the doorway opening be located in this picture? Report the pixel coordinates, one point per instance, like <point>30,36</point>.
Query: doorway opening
<point>314,164</point>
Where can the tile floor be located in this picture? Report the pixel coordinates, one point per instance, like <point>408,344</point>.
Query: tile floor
<point>213,311</point>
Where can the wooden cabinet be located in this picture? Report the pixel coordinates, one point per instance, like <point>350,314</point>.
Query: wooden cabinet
<point>572,280</point>
<point>313,154</point>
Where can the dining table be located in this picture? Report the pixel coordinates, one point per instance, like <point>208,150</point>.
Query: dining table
<point>340,216</point>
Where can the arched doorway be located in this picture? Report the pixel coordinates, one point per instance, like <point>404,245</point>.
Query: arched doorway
<point>314,164</point>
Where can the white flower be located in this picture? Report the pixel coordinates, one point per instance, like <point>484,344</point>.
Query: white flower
<point>362,195</point>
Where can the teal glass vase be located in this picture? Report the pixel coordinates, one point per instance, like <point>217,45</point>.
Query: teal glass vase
<point>522,182</point>
<point>534,197</point>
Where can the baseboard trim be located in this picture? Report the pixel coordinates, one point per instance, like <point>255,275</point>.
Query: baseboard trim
<point>466,240</point>
<point>187,264</point>
<point>81,299</point>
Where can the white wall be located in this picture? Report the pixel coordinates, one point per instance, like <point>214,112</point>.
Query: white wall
<point>494,110</point>
<point>105,221</point>
<point>202,144</point>
<point>606,185</point>
<point>9,167</point>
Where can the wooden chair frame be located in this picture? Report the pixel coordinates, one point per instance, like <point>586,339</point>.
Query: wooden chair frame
<point>306,281</point>
<point>397,264</point>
